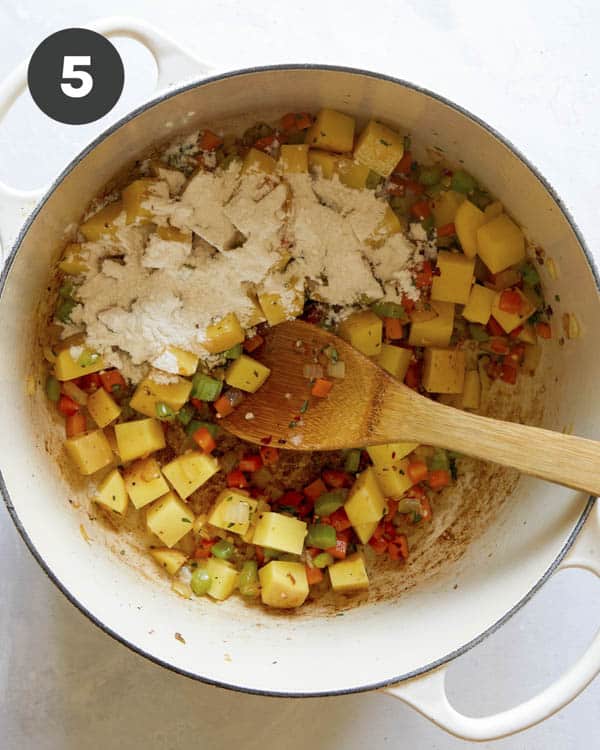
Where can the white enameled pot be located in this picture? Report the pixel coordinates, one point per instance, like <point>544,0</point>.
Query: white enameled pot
<point>400,644</point>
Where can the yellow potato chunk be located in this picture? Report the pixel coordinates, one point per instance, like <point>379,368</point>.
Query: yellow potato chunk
<point>394,359</point>
<point>149,393</point>
<point>134,195</point>
<point>435,332</point>
<point>232,511</point>
<point>90,452</point>
<point>257,161</point>
<point>139,438</point>
<point>352,174</point>
<point>294,158</point>
<point>223,578</point>
<point>471,394</point>
<point>445,206</point>
<point>171,234</point>
<point>187,363</point>
<point>365,504</point>
<point>331,131</point>
<point>393,478</point>
<point>391,224</point>
<point>493,210</point>
<point>322,162</point>
<point>390,454</point>
<point>380,148</point>
<point>364,330</point>
<point>453,284</point>
<point>103,408</point>
<point>144,481</point>
<point>224,334</point>
<point>467,221</point>
<point>280,532</point>
<point>500,243</point>
<point>67,367</point>
<point>72,261</point>
<point>169,559</point>
<point>254,317</point>
<point>283,584</point>
<point>444,370</point>
<point>349,575</point>
<point>246,373</point>
<point>189,471</point>
<point>112,493</point>
<point>528,335</point>
<point>479,306</point>
<point>102,222</point>
<point>169,518</point>
<point>510,321</point>
<point>275,310</point>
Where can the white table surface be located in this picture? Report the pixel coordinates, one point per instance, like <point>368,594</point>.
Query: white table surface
<point>532,69</point>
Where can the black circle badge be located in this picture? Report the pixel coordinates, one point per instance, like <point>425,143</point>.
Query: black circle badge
<point>75,76</point>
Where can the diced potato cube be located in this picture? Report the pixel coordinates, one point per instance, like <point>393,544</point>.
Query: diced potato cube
<point>445,207</point>
<point>500,243</point>
<point>224,578</point>
<point>276,310</point>
<point>189,471</point>
<point>102,408</point>
<point>391,224</point>
<point>365,503</point>
<point>352,174</point>
<point>169,559</point>
<point>394,359</point>
<point>144,482</point>
<point>493,210</point>
<point>479,306</point>
<point>349,575</point>
<point>472,391</point>
<point>280,532</point>
<point>246,374</point>
<point>254,317</point>
<point>149,393</point>
<point>435,332</point>
<point>283,584</point>
<point>393,478</point>
<point>294,158</point>
<point>102,222</point>
<point>467,221</point>
<point>68,368</point>
<point>257,161</point>
<point>390,454</point>
<point>169,518</point>
<point>528,335</point>
<point>224,334</point>
<point>510,321</point>
<point>364,330</point>
<point>365,531</point>
<point>112,493</point>
<point>380,148</point>
<point>90,452</point>
<point>332,131</point>
<point>444,370</point>
<point>171,234</point>
<point>134,195</point>
<point>453,284</point>
<point>232,512</point>
<point>139,438</point>
<point>187,363</point>
<point>323,162</point>
<point>72,260</point>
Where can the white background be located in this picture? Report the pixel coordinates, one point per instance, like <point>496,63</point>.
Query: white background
<point>532,70</point>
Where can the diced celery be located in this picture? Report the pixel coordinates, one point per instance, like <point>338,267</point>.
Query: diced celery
<point>463,182</point>
<point>223,549</point>
<point>352,462</point>
<point>329,502</point>
<point>52,388</point>
<point>205,388</point>
<point>389,310</point>
<point>321,536</point>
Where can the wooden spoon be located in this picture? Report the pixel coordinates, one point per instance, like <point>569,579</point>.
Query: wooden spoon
<point>368,407</point>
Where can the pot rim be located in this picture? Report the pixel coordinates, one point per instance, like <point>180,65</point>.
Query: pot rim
<point>447,658</point>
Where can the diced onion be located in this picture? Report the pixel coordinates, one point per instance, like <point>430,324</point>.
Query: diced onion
<point>236,512</point>
<point>336,369</point>
<point>73,391</point>
<point>312,371</point>
<point>409,505</point>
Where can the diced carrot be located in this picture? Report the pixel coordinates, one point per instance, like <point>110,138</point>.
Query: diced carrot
<point>222,405</point>
<point>421,210</point>
<point>253,343</point>
<point>204,440</point>
<point>90,383</point>
<point>336,478</point>
<point>379,531</point>
<point>262,144</point>
<point>379,545</point>
<point>260,555</point>
<point>402,542</point>
<point>339,551</point>
<point>516,332</point>
<point>269,455</point>
<point>413,375</point>
<point>393,328</point>
<point>321,387</point>
<point>75,424</point>
<point>517,353</point>
<point>543,330</point>
<point>508,373</point>
<point>210,141</point>
<point>67,406</point>
<point>313,575</point>
<point>417,471</point>
<point>340,521</point>
<point>203,550</point>
<point>404,165</point>
<point>237,479</point>
<point>296,121</point>
<point>112,378</point>
<point>499,346</point>
<point>392,508</point>
<point>408,304</point>
<point>291,498</point>
<point>315,489</point>
<point>510,301</point>
<point>250,463</point>
<point>447,230</point>
<point>439,478</point>
<point>424,277</point>
<point>394,551</point>
<point>494,328</point>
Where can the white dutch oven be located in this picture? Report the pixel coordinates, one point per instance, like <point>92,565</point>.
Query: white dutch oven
<point>401,644</point>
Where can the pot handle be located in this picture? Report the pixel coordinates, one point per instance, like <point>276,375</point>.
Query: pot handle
<point>427,694</point>
<point>174,64</point>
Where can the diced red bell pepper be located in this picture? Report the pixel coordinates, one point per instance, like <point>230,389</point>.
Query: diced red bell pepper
<point>262,144</point>
<point>404,165</point>
<point>291,498</point>
<point>439,478</point>
<point>516,332</point>
<point>543,330</point>
<point>253,343</point>
<point>210,141</point>
<point>336,478</point>
<point>402,542</point>
<point>67,406</point>
<point>339,551</point>
<point>413,375</point>
<point>203,550</point>
<point>391,511</point>
<point>313,575</point>
<point>296,121</point>
<point>447,230</point>
<point>499,346</point>
<point>510,301</point>
<point>75,424</point>
<point>494,328</point>
<point>424,277</point>
<point>340,521</point>
<point>508,373</point>
<point>379,545</point>
<point>417,471</point>
<point>204,440</point>
<point>260,555</point>
<point>315,489</point>
<point>394,551</point>
<point>112,378</point>
<point>393,328</point>
<point>421,210</point>
<point>250,463</point>
<point>517,354</point>
<point>237,479</point>
<point>269,455</point>
<point>90,383</point>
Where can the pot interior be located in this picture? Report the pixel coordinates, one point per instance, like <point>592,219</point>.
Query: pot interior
<point>494,535</point>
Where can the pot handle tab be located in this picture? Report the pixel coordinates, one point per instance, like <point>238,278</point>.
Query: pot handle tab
<point>174,64</point>
<point>427,693</point>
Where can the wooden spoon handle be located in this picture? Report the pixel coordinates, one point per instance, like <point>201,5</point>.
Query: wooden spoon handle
<point>563,459</point>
